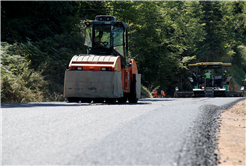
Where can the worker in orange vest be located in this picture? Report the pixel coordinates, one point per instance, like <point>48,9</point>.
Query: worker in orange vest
<point>162,93</point>
<point>155,93</point>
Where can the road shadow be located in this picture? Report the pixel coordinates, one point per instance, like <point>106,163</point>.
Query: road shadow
<point>129,103</point>
<point>44,104</point>
<point>62,104</point>
<point>157,99</point>
<point>144,101</point>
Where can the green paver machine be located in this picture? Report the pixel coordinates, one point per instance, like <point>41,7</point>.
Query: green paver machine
<point>215,86</point>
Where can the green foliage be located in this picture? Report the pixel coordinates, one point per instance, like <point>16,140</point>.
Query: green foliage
<point>37,19</point>
<point>19,83</point>
<point>164,36</point>
<point>88,9</point>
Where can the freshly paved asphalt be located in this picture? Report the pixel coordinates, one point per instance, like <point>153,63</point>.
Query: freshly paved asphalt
<point>151,132</point>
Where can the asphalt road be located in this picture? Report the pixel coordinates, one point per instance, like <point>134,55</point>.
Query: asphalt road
<point>168,131</point>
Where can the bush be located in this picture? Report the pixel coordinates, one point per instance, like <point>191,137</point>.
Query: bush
<point>19,83</point>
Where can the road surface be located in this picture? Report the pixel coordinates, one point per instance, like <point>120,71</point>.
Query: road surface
<point>163,131</point>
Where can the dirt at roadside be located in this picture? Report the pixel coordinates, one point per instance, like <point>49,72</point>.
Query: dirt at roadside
<point>232,133</point>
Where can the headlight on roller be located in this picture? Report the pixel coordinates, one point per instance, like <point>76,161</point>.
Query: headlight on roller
<point>106,69</point>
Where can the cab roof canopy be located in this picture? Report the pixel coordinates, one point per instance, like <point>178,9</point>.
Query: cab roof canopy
<point>105,19</point>
<point>210,65</point>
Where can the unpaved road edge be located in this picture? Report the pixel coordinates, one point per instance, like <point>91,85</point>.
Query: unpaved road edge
<point>231,142</point>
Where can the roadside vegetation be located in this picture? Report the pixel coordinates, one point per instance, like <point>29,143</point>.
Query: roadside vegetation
<point>40,37</point>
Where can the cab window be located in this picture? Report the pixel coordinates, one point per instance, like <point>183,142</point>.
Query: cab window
<point>88,36</point>
<point>118,32</point>
<point>105,39</point>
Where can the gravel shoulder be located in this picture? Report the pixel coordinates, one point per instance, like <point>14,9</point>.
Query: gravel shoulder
<point>231,142</point>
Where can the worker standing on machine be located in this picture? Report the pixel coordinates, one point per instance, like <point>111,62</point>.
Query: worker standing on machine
<point>194,74</point>
<point>208,77</point>
<point>224,76</point>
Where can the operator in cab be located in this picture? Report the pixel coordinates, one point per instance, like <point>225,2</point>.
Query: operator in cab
<point>98,38</point>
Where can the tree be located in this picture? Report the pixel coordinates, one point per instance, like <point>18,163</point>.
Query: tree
<point>210,48</point>
<point>37,20</point>
<point>159,39</point>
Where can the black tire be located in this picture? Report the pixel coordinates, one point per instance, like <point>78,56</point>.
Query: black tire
<point>85,100</point>
<point>98,100</point>
<point>123,99</point>
<point>132,98</point>
<point>111,101</point>
<point>73,100</point>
